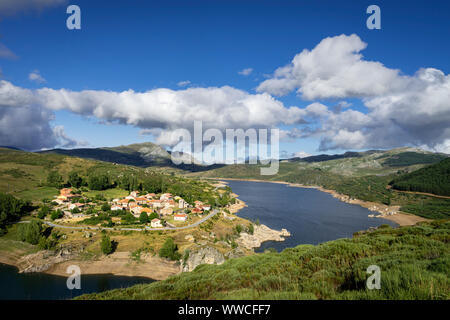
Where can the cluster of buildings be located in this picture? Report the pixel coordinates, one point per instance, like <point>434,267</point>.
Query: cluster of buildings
<point>164,205</point>
<point>65,201</point>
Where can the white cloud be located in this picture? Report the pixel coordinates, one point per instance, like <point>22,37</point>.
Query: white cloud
<point>402,110</point>
<point>64,141</point>
<point>301,154</point>
<point>10,7</point>
<point>6,53</point>
<point>163,109</point>
<point>183,83</point>
<point>246,71</point>
<point>333,69</point>
<point>36,77</point>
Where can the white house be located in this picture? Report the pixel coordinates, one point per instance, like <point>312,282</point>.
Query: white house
<point>115,208</point>
<point>156,223</point>
<point>180,217</point>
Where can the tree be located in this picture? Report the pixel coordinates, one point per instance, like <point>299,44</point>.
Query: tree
<point>30,232</point>
<point>169,250</point>
<point>106,207</point>
<point>153,215</point>
<point>54,179</point>
<point>56,214</point>
<point>106,244</point>
<point>43,212</point>
<point>100,182</point>
<point>75,180</point>
<point>11,209</point>
<point>143,218</point>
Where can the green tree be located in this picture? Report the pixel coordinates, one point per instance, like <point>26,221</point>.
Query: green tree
<point>75,180</point>
<point>143,218</point>
<point>43,212</point>
<point>106,207</point>
<point>106,244</point>
<point>11,209</point>
<point>169,250</point>
<point>30,232</point>
<point>56,214</point>
<point>54,179</point>
<point>153,215</point>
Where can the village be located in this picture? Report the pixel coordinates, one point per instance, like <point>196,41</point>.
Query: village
<point>162,210</point>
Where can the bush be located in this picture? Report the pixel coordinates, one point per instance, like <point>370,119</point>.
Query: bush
<point>30,232</point>
<point>43,212</point>
<point>143,218</point>
<point>56,214</point>
<point>170,250</point>
<point>251,229</point>
<point>106,245</point>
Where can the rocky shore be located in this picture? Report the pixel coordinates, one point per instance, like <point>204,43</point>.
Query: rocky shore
<point>261,233</point>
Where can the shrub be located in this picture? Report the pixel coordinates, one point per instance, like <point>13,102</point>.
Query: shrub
<point>170,250</point>
<point>106,245</point>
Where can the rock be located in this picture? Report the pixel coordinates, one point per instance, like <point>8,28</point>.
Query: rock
<point>261,234</point>
<point>235,253</point>
<point>189,238</point>
<point>202,255</point>
<point>43,260</point>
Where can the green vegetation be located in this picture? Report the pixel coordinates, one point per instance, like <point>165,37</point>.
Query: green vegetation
<point>106,244</point>
<point>36,233</point>
<point>170,250</point>
<point>432,179</point>
<point>414,263</point>
<point>11,210</point>
<point>30,232</point>
<point>410,158</point>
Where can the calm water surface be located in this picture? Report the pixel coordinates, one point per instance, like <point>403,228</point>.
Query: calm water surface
<point>311,216</point>
<point>25,286</point>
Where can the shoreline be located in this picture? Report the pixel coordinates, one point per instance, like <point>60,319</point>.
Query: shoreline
<point>396,216</point>
<point>116,264</point>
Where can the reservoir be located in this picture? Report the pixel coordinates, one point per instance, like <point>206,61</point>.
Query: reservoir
<point>26,286</point>
<point>310,215</point>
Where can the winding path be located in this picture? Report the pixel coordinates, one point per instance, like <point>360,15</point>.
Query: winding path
<point>51,224</point>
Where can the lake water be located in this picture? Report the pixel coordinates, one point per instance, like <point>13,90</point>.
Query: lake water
<point>311,216</point>
<point>26,286</point>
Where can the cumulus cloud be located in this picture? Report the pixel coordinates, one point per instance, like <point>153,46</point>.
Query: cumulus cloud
<point>64,141</point>
<point>183,83</point>
<point>301,154</point>
<point>402,110</point>
<point>6,53</point>
<point>245,72</point>
<point>10,7</point>
<point>335,68</point>
<point>163,109</point>
<point>35,76</point>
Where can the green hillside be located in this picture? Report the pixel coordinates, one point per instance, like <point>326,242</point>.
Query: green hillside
<point>25,175</point>
<point>414,263</point>
<point>433,179</point>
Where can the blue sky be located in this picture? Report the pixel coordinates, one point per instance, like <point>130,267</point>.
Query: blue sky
<point>146,45</point>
